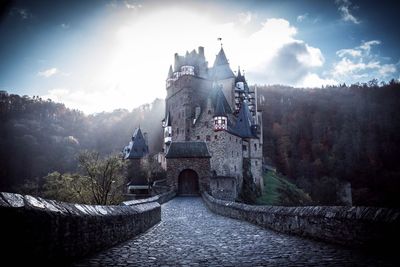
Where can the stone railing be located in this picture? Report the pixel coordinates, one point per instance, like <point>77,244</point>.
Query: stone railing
<point>351,226</point>
<point>42,231</point>
<point>160,199</point>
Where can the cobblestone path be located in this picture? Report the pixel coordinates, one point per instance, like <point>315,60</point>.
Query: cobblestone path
<point>191,235</point>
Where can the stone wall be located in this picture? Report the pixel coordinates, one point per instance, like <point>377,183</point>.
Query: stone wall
<point>176,165</point>
<point>42,231</point>
<point>160,199</point>
<point>351,226</point>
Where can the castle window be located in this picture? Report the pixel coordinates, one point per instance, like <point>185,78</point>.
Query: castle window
<point>244,147</point>
<point>235,167</point>
<point>177,131</point>
<point>208,138</point>
<point>256,162</point>
<point>237,154</point>
<point>255,147</point>
<point>232,154</point>
<point>198,137</point>
<point>187,130</point>
<point>206,124</point>
<point>236,140</point>
<point>209,112</point>
<point>216,137</point>
<point>230,138</point>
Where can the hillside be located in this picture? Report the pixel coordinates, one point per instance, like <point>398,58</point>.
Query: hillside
<point>279,191</point>
<point>317,138</point>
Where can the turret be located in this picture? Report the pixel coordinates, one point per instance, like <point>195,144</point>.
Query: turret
<point>220,117</point>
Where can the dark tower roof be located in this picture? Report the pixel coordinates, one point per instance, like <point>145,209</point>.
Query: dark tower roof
<point>221,69</point>
<point>188,149</point>
<point>244,122</point>
<point>240,77</point>
<point>220,104</point>
<point>221,59</point>
<point>137,148</point>
<point>217,96</point>
<point>170,72</point>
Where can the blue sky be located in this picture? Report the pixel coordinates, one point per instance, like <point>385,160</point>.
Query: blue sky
<point>102,55</point>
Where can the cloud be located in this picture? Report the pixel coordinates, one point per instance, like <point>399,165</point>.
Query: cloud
<point>302,17</point>
<point>245,17</point>
<point>48,73</point>
<point>65,25</point>
<point>360,64</point>
<point>129,68</point>
<point>23,13</point>
<point>131,5</point>
<point>344,7</point>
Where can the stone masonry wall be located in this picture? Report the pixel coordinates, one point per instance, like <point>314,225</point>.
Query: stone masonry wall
<point>350,226</point>
<point>176,165</point>
<point>42,231</point>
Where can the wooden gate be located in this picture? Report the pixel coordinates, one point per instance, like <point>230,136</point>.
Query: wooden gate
<point>188,183</point>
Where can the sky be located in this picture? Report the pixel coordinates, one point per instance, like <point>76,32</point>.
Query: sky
<point>103,55</point>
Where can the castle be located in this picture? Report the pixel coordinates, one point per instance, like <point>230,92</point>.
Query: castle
<point>212,128</point>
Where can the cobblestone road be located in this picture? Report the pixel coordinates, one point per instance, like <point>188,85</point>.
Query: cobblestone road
<point>190,235</point>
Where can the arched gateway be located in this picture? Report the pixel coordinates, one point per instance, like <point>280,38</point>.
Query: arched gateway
<point>188,183</point>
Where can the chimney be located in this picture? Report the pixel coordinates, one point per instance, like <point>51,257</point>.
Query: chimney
<point>201,51</point>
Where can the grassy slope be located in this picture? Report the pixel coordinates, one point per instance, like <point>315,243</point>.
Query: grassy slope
<point>279,191</point>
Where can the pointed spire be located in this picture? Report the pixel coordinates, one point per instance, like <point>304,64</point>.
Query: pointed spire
<point>220,108</point>
<point>221,59</point>
<point>240,77</point>
<point>244,122</point>
<point>170,72</point>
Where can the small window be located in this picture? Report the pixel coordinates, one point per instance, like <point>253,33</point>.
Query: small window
<point>216,137</point>
<point>237,154</point>
<point>198,137</point>
<point>255,147</point>
<point>209,112</point>
<point>256,163</point>
<point>230,138</point>
<point>244,147</point>
<point>177,131</point>
<point>206,124</point>
<point>208,138</point>
<point>232,154</point>
<point>236,140</point>
<point>235,167</point>
<point>188,131</point>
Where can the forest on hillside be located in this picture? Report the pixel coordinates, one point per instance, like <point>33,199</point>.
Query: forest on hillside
<point>318,138</point>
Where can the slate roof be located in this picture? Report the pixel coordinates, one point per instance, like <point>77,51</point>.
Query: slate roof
<point>243,124</point>
<point>240,77</point>
<point>137,147</point>
<point>188,149</point>
<point>221,69</point>
<point>220,103</point>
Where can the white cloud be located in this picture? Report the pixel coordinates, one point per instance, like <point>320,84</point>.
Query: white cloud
<point>344,7</point>
<point>245,18</point>
<point>65,25</point>
<point>130,66</point>
<point>360,64</point>
<point>131,5</point>
<point>302,17</point>
<point>48,73</point>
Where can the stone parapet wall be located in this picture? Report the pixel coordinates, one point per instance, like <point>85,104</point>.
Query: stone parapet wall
<point>160,199</point>
<point>351,226</point>
<point>43,231</point>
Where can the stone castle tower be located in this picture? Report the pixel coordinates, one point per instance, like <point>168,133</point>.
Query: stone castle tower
<point>212,128</point>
